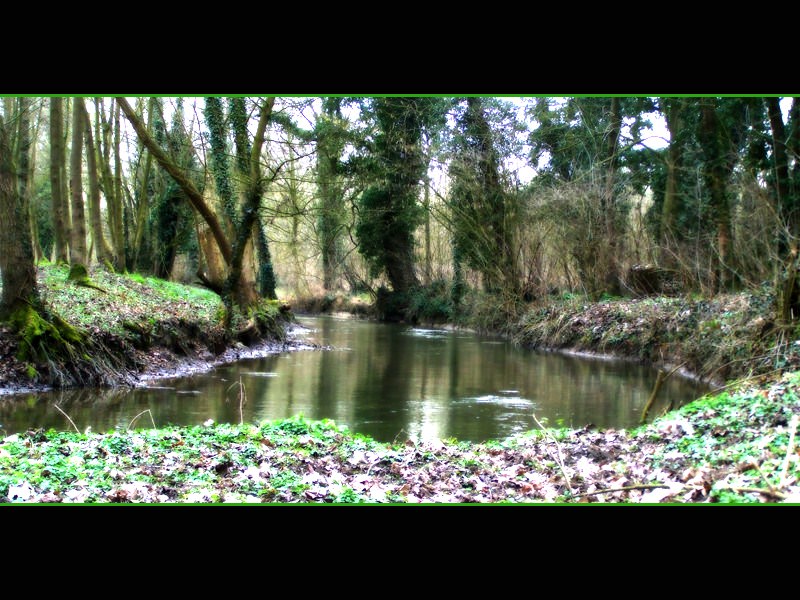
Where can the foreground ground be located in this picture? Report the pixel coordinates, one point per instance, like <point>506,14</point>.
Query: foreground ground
<point>734,447</point>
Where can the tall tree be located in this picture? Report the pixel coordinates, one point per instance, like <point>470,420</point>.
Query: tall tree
<point>141,250</point>
<point>673,109</point>
<point>785,184</point>
<point>16,250</point>
<point>484,210</point>
<point>716,173</point>
<point>388,211</point>
<point>58,175</point>
<point>77,245</point>
<point>331,221</point>
<point>171,216</point>
<point>248,157</point>
<point>102,249</point>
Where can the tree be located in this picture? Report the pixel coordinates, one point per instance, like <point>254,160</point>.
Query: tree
<point>110,181</point>
<point>785,183</point>
<point>102,249</point>
<point>717,169</point>
<point>388,211</point>
<point>58,179</point>
<point>249,160</point>
<point>330,145</point>
<point>582,141</point>
<point>484,211</point>
<point>171,216</point>
<point>77,245</point>
<point>20,291</point>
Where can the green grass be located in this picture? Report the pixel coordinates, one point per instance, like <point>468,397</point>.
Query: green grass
<point>130,298</point>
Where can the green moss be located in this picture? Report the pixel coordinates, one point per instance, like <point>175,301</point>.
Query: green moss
<point>43,338</point>
<point>77,272</point>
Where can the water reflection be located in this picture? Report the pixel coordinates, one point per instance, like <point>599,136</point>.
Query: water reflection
<point>392,382</point>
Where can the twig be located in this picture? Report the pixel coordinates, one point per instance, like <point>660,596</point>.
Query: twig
<point>66,415</point>
<point>746,490</point>
<point>560,459</point>
<point>147,410</point>
<point>660,379</point>
<point>771,487</point>
<point>789,451</point>
<point>642,486</point>
<point>242,398</point>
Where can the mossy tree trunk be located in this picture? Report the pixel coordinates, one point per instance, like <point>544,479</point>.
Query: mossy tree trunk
<point>484,213</point>
<point>249,163</point>
<point>232,290</point>
<point>673,200</point>
<point>611,210</point>
<point>330,145</point>
<point>16,250</point>
<point>716,173</point>
<point>77,245</point>
<point>58,175</point>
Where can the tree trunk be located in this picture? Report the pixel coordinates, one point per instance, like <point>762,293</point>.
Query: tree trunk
<point>609,203</point>
<point>16,251</point>
<point>784,204</point>
<point>426,203</point>
<point>58,168</point>
<point>116,202</point>
<point>331,201</point>
<point>34,223</point>
<point>266,274</point>
<point>141,240</point>
<point>246,295</point>
<point>673,204</point>
<point>789,225</point>
<point>102,249</point>
<point>77,246</point>
<point>716,177</point>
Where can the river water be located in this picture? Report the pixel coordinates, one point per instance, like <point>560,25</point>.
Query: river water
<point>392,382</point>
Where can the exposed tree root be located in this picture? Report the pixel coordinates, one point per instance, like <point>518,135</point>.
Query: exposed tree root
<point>80,276</point>
<point>61,355</point>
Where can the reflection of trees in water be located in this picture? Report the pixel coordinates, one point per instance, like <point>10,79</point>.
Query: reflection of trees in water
<point>391,381</point>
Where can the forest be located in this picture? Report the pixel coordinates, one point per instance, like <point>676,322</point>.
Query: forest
<point>517,216</point>
<point>416,201</point>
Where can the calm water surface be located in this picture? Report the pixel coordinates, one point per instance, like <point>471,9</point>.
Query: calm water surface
<point>392,382</point>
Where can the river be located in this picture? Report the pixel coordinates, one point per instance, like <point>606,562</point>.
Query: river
<point>392,382</point>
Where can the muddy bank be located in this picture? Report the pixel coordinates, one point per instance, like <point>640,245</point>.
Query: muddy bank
<point>158,362</point>
<point>137,329</point>
<point>728,337</point>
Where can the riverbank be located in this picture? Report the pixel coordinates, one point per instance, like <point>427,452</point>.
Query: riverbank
<point>712,340</point>
<point>150,328</point>
<point>735,447</point>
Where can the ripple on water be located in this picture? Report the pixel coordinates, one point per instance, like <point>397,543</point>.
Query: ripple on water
<point>426,333</point>
<point>509,401</point>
